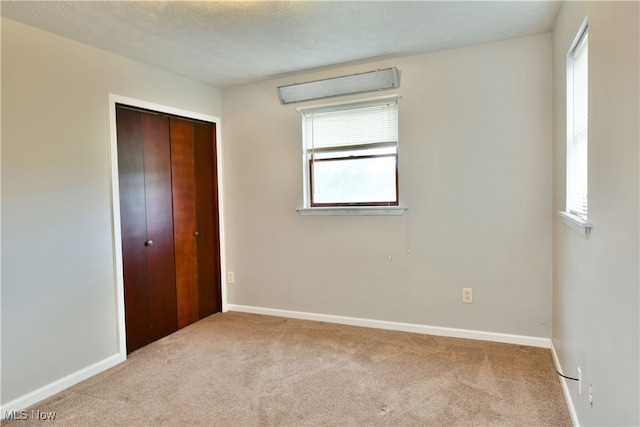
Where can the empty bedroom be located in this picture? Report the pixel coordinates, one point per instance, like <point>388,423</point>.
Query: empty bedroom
<point>320,213</point>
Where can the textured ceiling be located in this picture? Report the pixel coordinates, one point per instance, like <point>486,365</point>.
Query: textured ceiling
<point>233,42</point>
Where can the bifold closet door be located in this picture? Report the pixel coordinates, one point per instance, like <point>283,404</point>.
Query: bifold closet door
<point>195,219</point>
<point>144,168</point>
<point>207,217</point>
<point>185,228</point>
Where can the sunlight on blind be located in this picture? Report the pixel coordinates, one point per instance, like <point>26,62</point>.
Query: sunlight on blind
<point>580,56</point>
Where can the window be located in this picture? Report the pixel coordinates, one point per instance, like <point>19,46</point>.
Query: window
<point>351,154</point>
<point>577,126</point>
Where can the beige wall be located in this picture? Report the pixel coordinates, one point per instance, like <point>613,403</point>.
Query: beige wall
<point>475,174</point>
<point>596,301</point>
<point>58,283</point>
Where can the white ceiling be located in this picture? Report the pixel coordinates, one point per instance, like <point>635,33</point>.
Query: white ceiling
<point>227,43</point>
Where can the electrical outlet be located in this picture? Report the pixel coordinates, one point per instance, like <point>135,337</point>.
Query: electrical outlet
<point>579,380</point>
<point>590,395</point>
<point>231,277</point>
<point>467,295</point>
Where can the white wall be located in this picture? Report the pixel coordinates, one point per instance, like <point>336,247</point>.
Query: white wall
<point>58,283</point>
<point>475,174</point>
<point>596,301</point>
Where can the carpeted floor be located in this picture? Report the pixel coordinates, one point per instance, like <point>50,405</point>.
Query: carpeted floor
<point>237,369</point>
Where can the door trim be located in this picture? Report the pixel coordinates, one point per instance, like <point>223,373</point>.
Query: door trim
<point>115,202</point>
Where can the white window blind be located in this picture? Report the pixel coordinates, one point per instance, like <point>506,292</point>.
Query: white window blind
<point>350,127</point>
<point>577,168</point>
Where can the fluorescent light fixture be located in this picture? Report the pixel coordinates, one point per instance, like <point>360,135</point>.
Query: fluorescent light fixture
<point>338,86</point>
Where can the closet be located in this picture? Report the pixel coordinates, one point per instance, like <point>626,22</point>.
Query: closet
<point>169,222</point>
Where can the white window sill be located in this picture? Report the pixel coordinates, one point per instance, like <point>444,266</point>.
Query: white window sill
<point>354,210</point>
<point>576,223</point>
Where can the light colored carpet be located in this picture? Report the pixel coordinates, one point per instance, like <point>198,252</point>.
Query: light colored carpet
<point>237,369</point>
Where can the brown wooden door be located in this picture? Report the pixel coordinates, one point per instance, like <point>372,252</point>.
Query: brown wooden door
<point>184,216</point>
<point>207,218</point>
<point>195,219</point>
<point>144,165</point>
<point>169,217</point>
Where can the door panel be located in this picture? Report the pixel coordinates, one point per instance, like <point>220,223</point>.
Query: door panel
<point>207,218</point>
<point>162,276</point>
<point>133,225</point>
<point>184,221</point>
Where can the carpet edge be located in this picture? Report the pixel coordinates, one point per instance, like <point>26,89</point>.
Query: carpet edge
<point>398,326</point>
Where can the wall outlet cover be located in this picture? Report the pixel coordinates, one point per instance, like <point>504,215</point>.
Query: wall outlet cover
<point>467,295</point>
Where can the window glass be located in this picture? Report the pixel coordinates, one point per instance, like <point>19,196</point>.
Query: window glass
<point>350,180</point>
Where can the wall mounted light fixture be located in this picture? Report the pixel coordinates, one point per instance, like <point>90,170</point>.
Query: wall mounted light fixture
<point>337,86</point>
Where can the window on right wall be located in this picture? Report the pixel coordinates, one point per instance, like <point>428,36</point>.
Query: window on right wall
<point>577,204</point>
<point>578,126</point>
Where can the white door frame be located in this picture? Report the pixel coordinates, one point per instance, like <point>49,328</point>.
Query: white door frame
<point>115,202</point>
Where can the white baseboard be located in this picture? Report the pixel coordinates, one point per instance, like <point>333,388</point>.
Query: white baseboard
<point>565,388</point>
<point>57,386</point>
<point>398,326</point>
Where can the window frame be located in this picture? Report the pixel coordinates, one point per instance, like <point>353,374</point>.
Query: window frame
<point>391,207</point>
<point>575,199</point>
